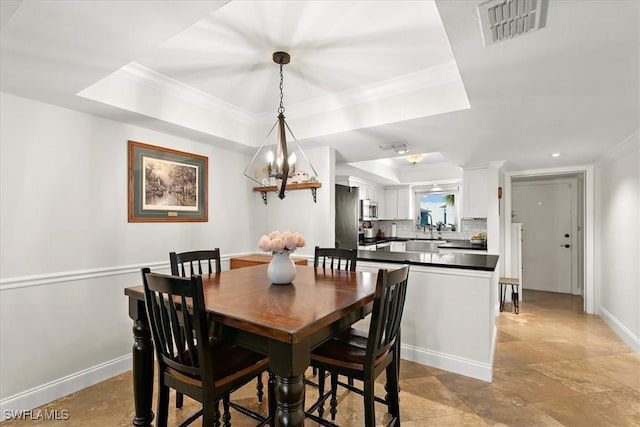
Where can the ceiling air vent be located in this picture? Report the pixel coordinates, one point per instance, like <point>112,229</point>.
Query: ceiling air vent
<point>505,19</point>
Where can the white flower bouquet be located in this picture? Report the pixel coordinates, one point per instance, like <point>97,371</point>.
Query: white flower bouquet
<point>277,242</point>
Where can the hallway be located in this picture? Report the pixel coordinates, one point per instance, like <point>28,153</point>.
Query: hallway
<point>555,366</point>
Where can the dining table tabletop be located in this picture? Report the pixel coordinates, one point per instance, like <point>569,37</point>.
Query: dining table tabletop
<point>284,322</point>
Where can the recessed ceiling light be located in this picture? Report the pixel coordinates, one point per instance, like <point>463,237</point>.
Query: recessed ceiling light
<point>555,155</point>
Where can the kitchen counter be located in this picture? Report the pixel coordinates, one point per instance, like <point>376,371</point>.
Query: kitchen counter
<point>464,244</point>
<point>452,260</point>
<point>449,319</point>
<point>451,243</point>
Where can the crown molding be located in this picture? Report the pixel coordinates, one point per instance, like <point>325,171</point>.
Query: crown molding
<point>406,83</point>
<point>144,75</point>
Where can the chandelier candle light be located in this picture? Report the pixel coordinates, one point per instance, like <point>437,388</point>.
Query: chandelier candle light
<point>274,164</point>
<point>282,269</point>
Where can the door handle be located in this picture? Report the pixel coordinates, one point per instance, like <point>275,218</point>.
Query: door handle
<point>566,246</point>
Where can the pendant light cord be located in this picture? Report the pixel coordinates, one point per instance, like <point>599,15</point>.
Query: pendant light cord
<point>281,108</point>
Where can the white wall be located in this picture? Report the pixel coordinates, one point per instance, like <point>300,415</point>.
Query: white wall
<point>618,233</point>
<point>67,250</point>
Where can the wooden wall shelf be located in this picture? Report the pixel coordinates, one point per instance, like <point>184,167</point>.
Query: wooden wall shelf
<point>313,186</point>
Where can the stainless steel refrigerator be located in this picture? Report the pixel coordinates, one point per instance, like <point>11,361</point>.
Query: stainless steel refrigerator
<point>346,217</point>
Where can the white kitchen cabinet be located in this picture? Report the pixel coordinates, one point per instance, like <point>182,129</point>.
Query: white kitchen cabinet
<point>462,251</point>
<point>382,203</point>
<point>474,193</point>
<point>398,203</point>
<point>398,246</point>
<point>367,247</point>
<point>390,204</point>
<point>404,203</point>
<point>368,192</point>
<point>363,192</point>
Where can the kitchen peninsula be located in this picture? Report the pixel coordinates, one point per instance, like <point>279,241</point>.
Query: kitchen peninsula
<point>450,310</point>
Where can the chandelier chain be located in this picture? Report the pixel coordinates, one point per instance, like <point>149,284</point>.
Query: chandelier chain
<point>281,108</point>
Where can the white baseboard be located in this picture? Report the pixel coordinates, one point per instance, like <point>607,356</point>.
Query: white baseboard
<point>623,332</point>
<point>54,390</point>
<point>447,362</point>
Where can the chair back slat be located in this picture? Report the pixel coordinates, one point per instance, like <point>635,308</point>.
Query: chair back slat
<point>388,306</point>
<point>190,263</point>
<point>175,307</point>
<point>335,258</point>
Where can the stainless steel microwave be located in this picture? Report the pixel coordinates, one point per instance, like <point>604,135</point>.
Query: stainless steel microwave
<point>368,210</point>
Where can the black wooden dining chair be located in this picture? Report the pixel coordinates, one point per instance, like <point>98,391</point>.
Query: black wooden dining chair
<point>189,360</point>
<point>190,263</point>
<point>363,356</point>
<point>335,258</point>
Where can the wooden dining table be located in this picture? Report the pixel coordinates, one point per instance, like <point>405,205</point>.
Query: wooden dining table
<point>285,322</point>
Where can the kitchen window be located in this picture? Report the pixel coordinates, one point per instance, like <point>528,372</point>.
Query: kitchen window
<point>437,206</point>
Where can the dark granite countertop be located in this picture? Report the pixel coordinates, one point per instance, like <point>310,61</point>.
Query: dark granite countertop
<point>451,243</point>
<point>453,260</point>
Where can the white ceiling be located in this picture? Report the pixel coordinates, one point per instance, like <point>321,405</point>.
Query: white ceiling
<point>363,74</point>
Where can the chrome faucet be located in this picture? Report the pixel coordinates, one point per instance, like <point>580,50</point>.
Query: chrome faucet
<point>430,221</point>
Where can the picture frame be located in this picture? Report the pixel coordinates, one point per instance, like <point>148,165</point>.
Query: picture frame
<point>166,185</point>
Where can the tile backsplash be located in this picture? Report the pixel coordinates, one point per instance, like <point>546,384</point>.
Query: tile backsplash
<point>406,228</point>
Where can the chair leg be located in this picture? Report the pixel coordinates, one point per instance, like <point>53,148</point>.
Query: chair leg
<point>369,403</point>
<point>393,400</point>
<point>515,300</point>
<point>163,405</point>
<point>503,294</point>
<point>226,416</point>
<point>314,371</point>
<point>321,382</point>
<point>216,414</point>
<point>179,400</point>
<point>259,388</point>
<point>210,415</point>
<point>333,403</point>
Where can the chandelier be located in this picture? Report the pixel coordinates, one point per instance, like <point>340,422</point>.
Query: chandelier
<point>277,163</point>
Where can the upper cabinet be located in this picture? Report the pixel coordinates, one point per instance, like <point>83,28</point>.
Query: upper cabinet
<point>397,203</point>
<point>474,193</point>
<point>366,191</point>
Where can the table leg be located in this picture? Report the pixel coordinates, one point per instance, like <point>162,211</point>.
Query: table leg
<point>288,362</point>
<point>142,353</point>
<point>290,400</point>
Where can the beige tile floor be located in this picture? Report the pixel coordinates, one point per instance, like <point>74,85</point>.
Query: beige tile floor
<point>554,366</point>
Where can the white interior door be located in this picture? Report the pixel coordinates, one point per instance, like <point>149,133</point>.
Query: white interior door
<point>545,210</point>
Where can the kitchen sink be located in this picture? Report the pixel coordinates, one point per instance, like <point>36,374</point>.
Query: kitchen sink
<point>424,245</point>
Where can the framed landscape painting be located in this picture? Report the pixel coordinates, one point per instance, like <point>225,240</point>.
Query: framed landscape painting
<point>166,185</point>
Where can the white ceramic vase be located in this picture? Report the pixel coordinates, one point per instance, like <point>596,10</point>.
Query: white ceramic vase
<point>282,269</point>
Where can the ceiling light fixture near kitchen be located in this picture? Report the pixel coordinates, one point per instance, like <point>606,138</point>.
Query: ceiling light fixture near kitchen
<point>277,162</point>
<point>414,158</point>
<point>555,155</point>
